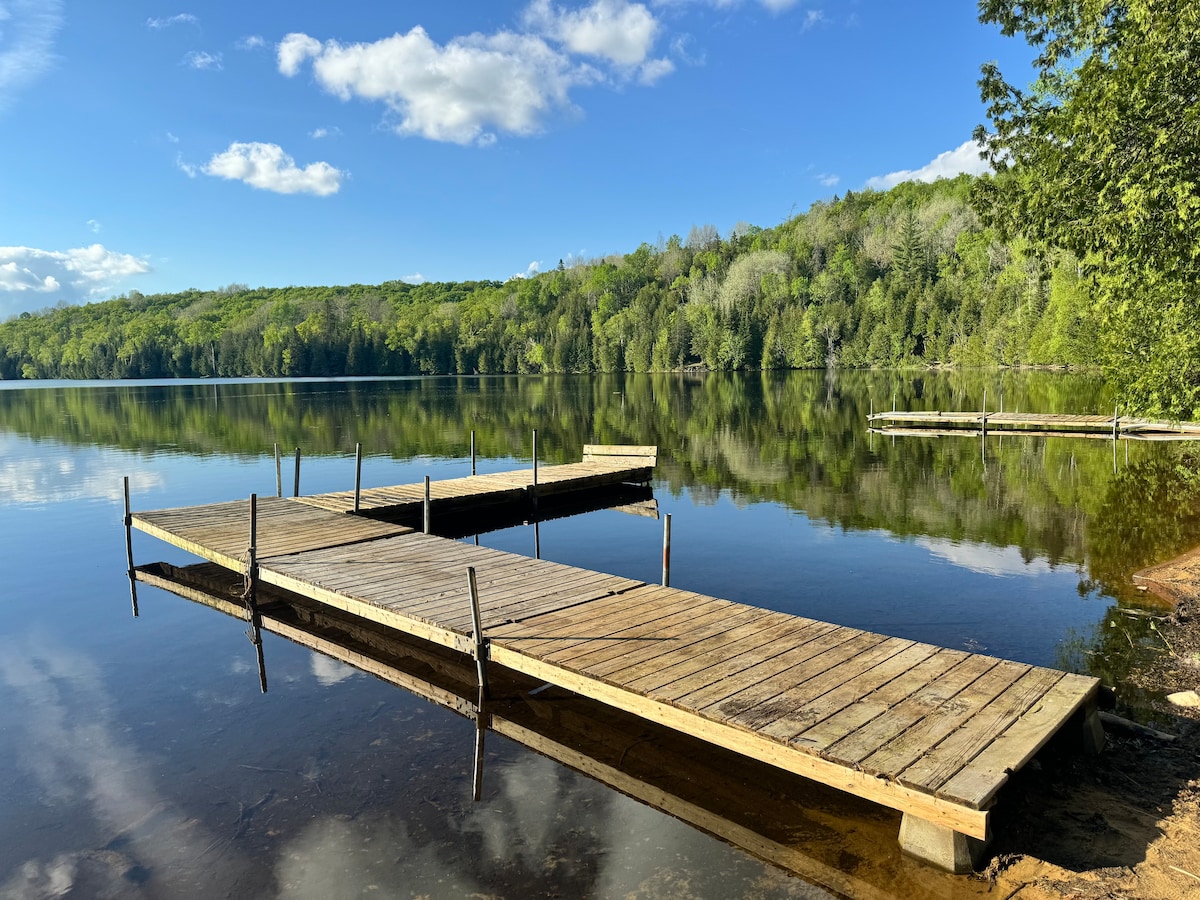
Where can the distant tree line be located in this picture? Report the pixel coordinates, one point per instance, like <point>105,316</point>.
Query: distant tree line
<point>909,276</point>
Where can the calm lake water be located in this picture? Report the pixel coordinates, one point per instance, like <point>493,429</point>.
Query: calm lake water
<point>140,758</point>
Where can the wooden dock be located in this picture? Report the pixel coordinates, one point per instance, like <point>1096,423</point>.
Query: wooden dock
<point>931,732</point>
<point>1115,427</point>
<point>803,827</point>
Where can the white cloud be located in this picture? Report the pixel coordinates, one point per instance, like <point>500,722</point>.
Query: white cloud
<point>415,278</point>
<point>319,133</point>
<point>812,17</point>
<point>202,59</point>
<point>781,5</point>
<point>616,30</point>
<point>185,167</point>
<point>26,43</point>
<point>168,21</point>
<point>94,226</point>
<point>71,275</point>
<point>266,166</point>
<point>172,139</point>
<point>826,179</point>
<point>964,158</point>
<point>532,269</point>
<point>455,92</point>
<point>250,42</point>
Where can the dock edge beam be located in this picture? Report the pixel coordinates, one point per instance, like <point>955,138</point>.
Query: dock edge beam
<point>941,846</point>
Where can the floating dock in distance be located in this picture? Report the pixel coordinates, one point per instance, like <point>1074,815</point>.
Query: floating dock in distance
<point>931,732</point>
<point>975,424</point>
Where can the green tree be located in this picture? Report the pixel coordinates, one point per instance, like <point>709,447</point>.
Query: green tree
<point>1101,157</point>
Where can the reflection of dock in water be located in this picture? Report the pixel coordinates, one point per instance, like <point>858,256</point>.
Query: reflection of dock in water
<point>807,829</point>
<point>975,424</point>
<point>931,732</point>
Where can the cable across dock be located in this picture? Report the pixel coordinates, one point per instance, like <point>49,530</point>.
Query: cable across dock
<point>929,731</point>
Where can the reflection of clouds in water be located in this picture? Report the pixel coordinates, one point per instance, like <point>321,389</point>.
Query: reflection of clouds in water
<point>71,749</point>
<point>984,558</point>
<point>329,671</point>
<point>36,479</point>
<point>520,818</point>
<point>334,858</point>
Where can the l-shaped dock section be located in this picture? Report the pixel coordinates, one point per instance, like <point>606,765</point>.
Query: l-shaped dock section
<point>929,731</point>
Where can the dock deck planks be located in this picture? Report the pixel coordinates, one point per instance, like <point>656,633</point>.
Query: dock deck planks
<point>932,732</point>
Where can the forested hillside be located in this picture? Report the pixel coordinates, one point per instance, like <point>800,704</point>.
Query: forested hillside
<point>905,277</point>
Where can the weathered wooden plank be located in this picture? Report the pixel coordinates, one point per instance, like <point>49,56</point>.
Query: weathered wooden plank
<point>879,731</point>
<point>978,782</point>
<point>951,755</point>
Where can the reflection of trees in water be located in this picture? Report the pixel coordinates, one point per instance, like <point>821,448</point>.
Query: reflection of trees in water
<point>794,438</point>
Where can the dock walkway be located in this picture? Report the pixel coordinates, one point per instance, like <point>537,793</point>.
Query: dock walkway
<point>932,732</point>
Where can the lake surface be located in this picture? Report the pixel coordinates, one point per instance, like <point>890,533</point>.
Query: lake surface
<point>140,758</point>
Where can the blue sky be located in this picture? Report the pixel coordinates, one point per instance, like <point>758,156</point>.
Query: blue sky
<point>157,146</point>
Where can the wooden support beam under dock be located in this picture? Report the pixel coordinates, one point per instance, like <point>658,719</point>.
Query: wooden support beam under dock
<point>932,732</point>
<point>934,422</point>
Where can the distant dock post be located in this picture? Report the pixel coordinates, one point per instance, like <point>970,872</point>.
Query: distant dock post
<point>278,472</point>
<point>357,475</point>
<point>427,512</point>
<point>296,487</point>
<point>666,575</point>
<point>472,451</point>
<point>129,550</point>
<point>535,458</point>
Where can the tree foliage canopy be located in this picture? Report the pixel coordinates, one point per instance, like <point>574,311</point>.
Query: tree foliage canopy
<point>1101,156</point>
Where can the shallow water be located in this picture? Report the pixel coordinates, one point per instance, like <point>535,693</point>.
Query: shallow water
<point>141,759</point>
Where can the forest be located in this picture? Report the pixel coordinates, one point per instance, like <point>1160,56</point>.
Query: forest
<point>906,277</point>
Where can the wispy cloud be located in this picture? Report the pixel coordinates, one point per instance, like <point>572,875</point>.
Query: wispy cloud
<point>82,273</point>
<point>318,133</point>
<point>414,278</point>
<point>812,18</point>
<point>27,32</point>
<point>964,158</point>
<point>826,179</point>
<point>267,167</point>
<point>186,167</point>
<point>168,21</point>
<point>93,226</point>
<point>202,59</point>
<point>250,42</point>
<point>530,270</point>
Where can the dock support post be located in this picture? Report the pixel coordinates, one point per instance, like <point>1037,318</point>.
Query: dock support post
<point>533,490</point>
<point>1116,409</point>
<point>940,846</point>
<point>278,472</point>
<point>357,475</point>
<point>1093,729</point>
<point>480,651</point>
<point>472,451</point>
<point>255,632</point>
<point>666,579</point>
<point>129,550</point>
<point>537,539</point>
<point>427,511</point>
<point>480,733</point>
<point>296,488</point>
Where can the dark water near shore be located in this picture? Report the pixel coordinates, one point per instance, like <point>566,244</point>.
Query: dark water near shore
<point>140,758</point>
